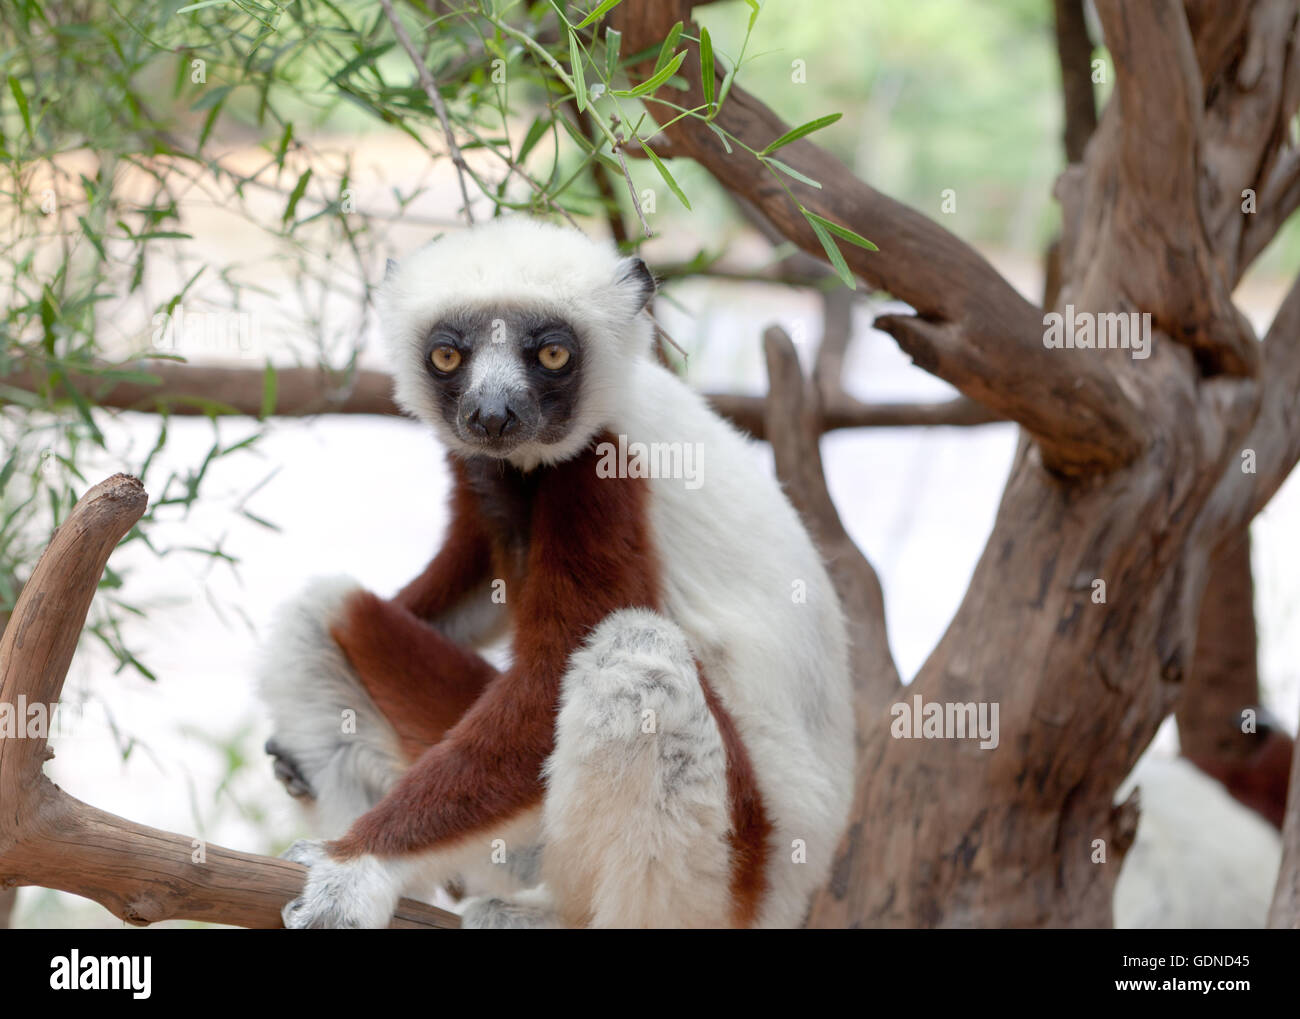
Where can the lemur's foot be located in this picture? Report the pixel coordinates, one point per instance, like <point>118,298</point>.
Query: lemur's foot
<point>287,771</point>
<point>359,892</point>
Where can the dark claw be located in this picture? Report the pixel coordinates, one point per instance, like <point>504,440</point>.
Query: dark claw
<point>287,771</point>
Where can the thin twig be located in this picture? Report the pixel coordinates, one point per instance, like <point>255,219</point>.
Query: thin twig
<point>636,202</point>
<point>523,175</point>
<point>435,98</point>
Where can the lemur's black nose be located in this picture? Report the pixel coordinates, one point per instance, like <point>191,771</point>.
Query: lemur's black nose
<point>493,420</point>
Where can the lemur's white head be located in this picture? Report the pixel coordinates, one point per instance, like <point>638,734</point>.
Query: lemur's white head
<point>515,339</point>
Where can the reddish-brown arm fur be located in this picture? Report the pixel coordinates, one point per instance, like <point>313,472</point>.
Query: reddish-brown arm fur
<point>421,681</point>
<point>589,555</point>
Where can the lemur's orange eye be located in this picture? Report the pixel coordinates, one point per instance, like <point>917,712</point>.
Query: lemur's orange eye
<point>553,356</point>
<point>445,358</point>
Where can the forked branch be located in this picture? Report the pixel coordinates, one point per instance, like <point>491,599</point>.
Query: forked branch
<point>50,839</point>
<point>971,327</point>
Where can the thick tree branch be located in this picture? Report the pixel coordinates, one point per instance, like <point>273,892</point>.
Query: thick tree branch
<point>1252,762</point>
<point>792,423</point>
<point>1216,28</point>
<point>1245,128</point>
<point>971,329</point>
<point>837,334</point>
<point>1153,246</point>
<point>1276,201</point>
<point>1271,449</point>
<point>748,413</point>
<point>201,389</point>
<point>793,429</point>
<point>50,839</point>
<point>1074,53</point>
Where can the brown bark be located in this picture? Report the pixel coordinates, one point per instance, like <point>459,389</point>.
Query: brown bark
<point>201,389</point>
<point>1074,54</point>
<point>47,837</point>
<point>1252,761</point>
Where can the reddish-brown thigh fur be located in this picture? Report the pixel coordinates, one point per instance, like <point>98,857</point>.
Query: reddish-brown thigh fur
<point>750,828</point>
<point>480,737</point>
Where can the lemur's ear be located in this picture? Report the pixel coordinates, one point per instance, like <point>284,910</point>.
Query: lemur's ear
<point>635,279</point>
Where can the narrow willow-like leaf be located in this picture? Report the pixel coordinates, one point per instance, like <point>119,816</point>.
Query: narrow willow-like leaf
<point>670,44</point>
<point>803,129</point>
<point>791,172</point>
<point>579,79</point>
<point>652,83</point>
<point>706,67</point>
<point>598,13</point>
<point>841,231</point>
<point>295,196</point>
<point>668,177</point>
<point>840,266</point>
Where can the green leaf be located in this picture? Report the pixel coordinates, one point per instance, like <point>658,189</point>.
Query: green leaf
<point>840,231</point>
<point>598,13</point>
<point>832,252</point>
<point>286,139</point>
<point>93,237</point>
<point>365,58</point>
<point>211,97</point>
<point>790,171</point>
<point>295,196</point>
<point>16,87</point>
<point>202,4</point>
<point>7,471</point>
<point>801,130</point>
<point>270,390</point>
<point>613,46</point>
<point>163,235</point>
<point>670,44</point>
<point>706,66</point>
<point>209,122</point>
<point>579,80</point>
<point>536,131</point>
<point>663,172</point>
<point>653,82</point>
<point>260,521</point>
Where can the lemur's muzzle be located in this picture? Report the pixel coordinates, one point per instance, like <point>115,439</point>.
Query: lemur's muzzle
<point>493,418</point>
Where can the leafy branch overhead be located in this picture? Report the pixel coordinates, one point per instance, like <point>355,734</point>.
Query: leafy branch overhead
<point>536,105</point>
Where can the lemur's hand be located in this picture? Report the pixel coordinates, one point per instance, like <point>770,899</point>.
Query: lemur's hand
<point>288,772</point>
<point>362,892</point>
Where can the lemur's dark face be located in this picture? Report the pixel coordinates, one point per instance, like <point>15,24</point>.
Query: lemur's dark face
<point>504,376</point>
